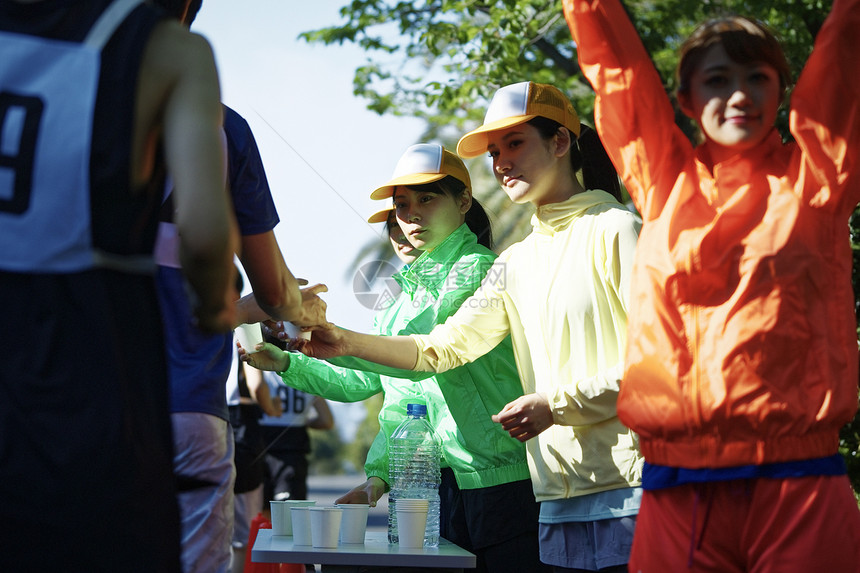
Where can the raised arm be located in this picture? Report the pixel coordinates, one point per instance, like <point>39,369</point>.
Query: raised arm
<point>825,107</point>
<point>633,114</point>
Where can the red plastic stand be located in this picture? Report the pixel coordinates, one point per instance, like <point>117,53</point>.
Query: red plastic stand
<point>260,522</point>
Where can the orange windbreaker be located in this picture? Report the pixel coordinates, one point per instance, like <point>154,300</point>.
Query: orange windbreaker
<point>741,344</point>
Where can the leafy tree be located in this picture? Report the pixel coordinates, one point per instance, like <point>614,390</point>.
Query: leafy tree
<point>439,59</point>
<point>442,59</point>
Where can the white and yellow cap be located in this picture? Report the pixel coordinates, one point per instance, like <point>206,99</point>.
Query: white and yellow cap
<point>381,216</point>
<point>423,163</point>
<point>516,104</point>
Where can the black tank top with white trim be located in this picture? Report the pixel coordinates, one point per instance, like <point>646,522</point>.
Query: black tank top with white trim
<point>67,93</point>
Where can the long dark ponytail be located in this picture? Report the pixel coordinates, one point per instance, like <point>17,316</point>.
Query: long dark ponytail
<point>586,153</point>
<point>479,223</point>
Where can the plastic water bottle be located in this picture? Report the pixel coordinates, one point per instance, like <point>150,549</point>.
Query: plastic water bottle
<point>413,459</point>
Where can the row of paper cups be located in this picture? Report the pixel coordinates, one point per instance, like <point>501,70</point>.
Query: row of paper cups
<point>319,526</point>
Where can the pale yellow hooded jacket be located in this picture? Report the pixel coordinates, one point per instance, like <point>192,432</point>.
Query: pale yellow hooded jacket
<point>561,294</point>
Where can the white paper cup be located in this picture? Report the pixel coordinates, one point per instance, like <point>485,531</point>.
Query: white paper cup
<point>412,503</point>
<point>301,518</point>
<point>294,331</point>
<point>353,524</point>
<point>325,526</point>
<point>249,336</point>
<point>411,523</point>
<point>282,523</point>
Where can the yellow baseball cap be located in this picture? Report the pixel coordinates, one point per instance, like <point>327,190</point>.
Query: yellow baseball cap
<point>516,104</point>
<point>381,216</point>
<point>423,163</point>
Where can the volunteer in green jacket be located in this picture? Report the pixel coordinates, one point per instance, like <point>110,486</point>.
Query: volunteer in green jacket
<point>487,502</point>
<point>563,301</point>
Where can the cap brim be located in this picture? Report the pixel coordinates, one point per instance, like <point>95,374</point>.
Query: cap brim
<point>474,143</point>
<point>387,190</point>
<point>380,216</point>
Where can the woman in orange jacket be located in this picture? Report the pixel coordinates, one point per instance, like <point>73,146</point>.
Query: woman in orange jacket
<point>742,355</point>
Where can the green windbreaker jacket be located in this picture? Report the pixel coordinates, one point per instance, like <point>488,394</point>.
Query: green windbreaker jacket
<point>460,401</point>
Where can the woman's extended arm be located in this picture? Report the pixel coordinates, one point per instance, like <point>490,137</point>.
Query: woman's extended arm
<point>394,351</point>
<point>330,382</point>
<point>314,376</point>
<point>478,325</point>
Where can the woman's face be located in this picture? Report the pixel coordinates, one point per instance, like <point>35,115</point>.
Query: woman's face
<point>402,247</point>
<point>734,104</point>
<point>428,218</point>
<point>525,164</point>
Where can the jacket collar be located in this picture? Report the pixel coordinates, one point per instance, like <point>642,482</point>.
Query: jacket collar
<point>431,269</point>
<point>771,144</point>
<point>554,217</point>
<point>720,184</point>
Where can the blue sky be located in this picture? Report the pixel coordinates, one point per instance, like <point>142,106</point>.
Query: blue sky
<point>323,151</point>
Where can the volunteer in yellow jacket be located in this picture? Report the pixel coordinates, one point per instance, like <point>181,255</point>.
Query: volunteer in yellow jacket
<point>487,505</point>
<point>742,360</point>
<point>562,297</point>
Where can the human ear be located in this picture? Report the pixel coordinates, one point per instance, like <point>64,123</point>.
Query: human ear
<point>562,141</point>
<point>465,201</point>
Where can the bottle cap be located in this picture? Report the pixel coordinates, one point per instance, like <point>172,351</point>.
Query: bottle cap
<point>416,409</point>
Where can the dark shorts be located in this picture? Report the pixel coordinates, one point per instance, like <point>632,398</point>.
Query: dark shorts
<point>85,442</point>
<point>499,524</point>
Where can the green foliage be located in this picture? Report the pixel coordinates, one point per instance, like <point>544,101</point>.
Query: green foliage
<point>431,59</point>
<point>849,437</point>
<point>849,447</point>
<point>441,60</point>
